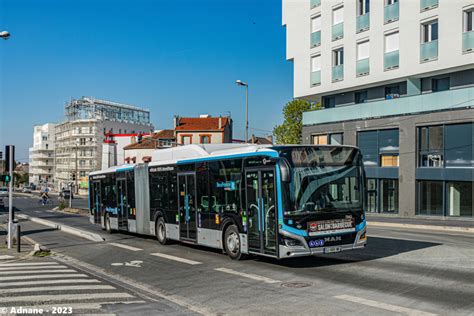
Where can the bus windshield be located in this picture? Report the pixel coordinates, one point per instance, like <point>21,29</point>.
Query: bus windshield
<point>322,179</point>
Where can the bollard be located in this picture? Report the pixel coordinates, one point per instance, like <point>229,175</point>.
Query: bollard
<point>18,240</point>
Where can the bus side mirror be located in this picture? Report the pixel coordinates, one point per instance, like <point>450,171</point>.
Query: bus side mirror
<point>284,170</point>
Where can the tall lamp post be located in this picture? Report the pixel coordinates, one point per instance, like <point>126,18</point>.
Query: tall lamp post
<point>244,84</point>
<point>5,35</point>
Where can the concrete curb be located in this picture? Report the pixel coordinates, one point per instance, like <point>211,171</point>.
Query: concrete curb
<point>67,229</point>
<point>452,229</point>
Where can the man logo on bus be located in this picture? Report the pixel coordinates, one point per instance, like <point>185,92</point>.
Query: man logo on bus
<point>316,243</point>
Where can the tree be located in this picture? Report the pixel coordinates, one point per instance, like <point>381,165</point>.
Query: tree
<point>289,132</point>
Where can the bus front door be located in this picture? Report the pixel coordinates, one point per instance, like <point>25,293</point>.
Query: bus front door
<point>261,211</point>
<point>187,206</point>
<point>122,215</point>
<point>96,202</point>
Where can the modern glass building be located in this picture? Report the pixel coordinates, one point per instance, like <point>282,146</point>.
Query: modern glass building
<point>396,78</point>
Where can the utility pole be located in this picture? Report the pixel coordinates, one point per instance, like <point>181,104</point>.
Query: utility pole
<point>10,158</point>
<point>246,85</point>
<point>75,184</point>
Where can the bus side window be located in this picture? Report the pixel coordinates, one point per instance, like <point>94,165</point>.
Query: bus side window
<point>225,179</point>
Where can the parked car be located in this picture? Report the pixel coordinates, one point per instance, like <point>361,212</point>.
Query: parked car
<point>66,193</point>
<point>26,190</point>
<point>3,192</point>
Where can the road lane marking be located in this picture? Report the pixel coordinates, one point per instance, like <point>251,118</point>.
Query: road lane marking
<point>26,264</point>
<point>32,268</point>
<point>58,288</point>
<point>43,276</point>
<point>41,282</point>
<point>162,255</point>
<point>385,306</point>
<point>248,275</point>
<point>65,297</point>
<point>36,271</point>
<point>6,257</point>
<point>125,246</point>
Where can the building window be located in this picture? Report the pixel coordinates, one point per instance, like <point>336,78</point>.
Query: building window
<point>82,174</point>
<point>82,141</point>
<point>389,196</point>
<point>336,139</point>
<point>442,84</point>
<point>371,195</point>
<point>430,198</point>
<point>338,23</point>
<point>329,102</point>
<point>316,31</point>
<point>361,97</point>
<point>338,64</point>
<point>468,28</point>
<point>315,3</point>
<point>205,139</point>
<point>459,145</point>
<point>392,46</point>
<point>45,138</point>
<point>429,41</point>
<point>430,145</point>
<point>460,200</point>
<point>392,92</point>
<point>363,58</point>
<point>379,148</point>
<point>363,7</point>
<point>320,139</point>
<point>186,139</point>
<point>316,70</point>
<point>363,17</point>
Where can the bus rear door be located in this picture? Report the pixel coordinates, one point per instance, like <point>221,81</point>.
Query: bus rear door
<point>122,214</point>
<point>187,206</point>
<point>96,202</point>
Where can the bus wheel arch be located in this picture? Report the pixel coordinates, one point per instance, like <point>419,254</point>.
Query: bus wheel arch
<point>160,230</point>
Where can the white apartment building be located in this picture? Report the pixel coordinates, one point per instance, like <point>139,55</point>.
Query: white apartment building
<point>80,137</point>
<point>396,79</point>
<point>41,156</point>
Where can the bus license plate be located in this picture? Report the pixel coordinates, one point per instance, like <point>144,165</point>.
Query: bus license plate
<point>332,249</point>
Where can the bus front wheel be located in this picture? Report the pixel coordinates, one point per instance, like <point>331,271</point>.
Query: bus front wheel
<point>108,227</point>
<point>160,231</point>
<point>232,242</point>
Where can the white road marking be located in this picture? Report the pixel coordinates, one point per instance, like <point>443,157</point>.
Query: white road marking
<point>36,271</point>
<point>6,257</point>
<point>44,276</point>
<point>385,306</point>
<point>125,246</point>
<point>162,255</point>
<point>26,264</point>
<point>64,297</point>
<point>41,282</point>
<point>58,288</point>
<point>248,275</point>
<point>31,268</point>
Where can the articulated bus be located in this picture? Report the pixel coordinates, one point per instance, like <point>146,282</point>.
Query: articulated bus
<point>275,201</point>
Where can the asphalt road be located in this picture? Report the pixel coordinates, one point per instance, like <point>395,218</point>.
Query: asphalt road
<point>401,271</point>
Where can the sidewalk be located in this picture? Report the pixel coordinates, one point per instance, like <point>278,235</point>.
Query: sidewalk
<point>439,224</point>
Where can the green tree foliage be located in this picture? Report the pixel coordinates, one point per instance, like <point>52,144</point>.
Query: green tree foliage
<point>289,132</point>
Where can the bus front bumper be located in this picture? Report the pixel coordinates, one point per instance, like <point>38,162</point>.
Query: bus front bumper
<point>302,250</point>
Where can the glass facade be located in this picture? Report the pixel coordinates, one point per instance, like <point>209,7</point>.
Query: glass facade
<point>379,148</point>
<point>382,196</point>
<point>430,198</point>
<point>450,198</point>
<point>460,200</point>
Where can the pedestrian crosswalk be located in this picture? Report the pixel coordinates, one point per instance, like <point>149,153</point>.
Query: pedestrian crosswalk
<point>50,285</point>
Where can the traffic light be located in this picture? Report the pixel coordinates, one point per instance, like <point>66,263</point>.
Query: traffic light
<point>73,176</point>
<point>1,155</point>
<point>5,178</point>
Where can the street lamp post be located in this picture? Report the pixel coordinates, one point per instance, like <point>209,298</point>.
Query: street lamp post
<point>244,84</point>
<point>5,35</point>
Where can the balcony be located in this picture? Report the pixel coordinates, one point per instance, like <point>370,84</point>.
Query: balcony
<point>391,60</point>
<point>391,13</point>
<point>316,78</point>
<point>338,73</point>
<point>429,51</point>
<point>468,41</point>
<point>363,22</point>
<point>338,31</point>
<point>428,4</point>
<point>315,3</point>
<point>363,67</point>
<point>438,101</point>
<point>315,39</point>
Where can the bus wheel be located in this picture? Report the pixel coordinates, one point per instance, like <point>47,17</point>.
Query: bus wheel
<point>160,231</point>
<point>108,228</point>
<point>232,242</point>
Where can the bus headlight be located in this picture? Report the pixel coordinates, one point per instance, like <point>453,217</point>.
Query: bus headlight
<point>292,242</point>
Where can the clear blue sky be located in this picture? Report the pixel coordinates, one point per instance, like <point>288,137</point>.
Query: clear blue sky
<point>173,57</point>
